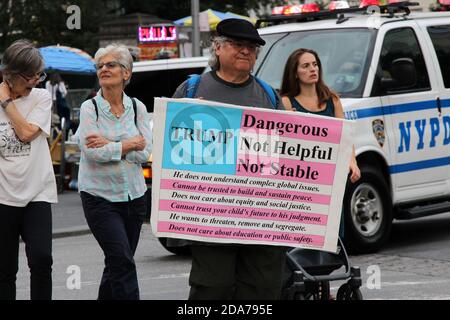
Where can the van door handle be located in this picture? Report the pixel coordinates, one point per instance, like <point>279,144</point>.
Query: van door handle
<point>438,102</point>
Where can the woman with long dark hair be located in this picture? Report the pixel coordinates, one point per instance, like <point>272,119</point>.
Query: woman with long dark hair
<point>304,90</point>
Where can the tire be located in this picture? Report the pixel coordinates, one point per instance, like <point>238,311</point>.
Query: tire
<point>355,294</point>
<point>314,291</point>
<point>299,296</point>
<point>345,292</point>
<point>367,212</point>
<point>180,251</point>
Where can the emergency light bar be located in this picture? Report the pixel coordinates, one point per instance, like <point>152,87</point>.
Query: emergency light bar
<point>334,5</point>
<point>295,9</point>
<point>284,15</point>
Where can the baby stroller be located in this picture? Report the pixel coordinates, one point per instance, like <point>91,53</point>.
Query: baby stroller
<point>309,273</point>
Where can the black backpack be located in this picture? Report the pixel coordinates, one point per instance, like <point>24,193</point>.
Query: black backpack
<point>134,109</point>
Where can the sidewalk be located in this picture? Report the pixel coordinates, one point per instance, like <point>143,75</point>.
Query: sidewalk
<point>68,216</point>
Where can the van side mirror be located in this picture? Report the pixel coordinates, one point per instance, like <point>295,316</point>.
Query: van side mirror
<point>403,75</point>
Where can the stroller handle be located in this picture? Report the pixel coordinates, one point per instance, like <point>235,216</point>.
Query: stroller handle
<point>340,276</point>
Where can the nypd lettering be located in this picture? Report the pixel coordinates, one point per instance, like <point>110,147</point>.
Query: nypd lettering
<point>439,129</point>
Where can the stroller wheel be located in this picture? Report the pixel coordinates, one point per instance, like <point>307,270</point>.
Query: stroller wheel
<point>324,290</point>
<point>314,291</point>
<point>299,296</point>
<point>345,292</point>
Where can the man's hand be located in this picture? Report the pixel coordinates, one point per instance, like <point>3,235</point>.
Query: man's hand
<point>95,140</point>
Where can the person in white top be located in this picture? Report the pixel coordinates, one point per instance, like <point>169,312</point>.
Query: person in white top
<point>56,84</point>
<point>27,181</point>
<point>58,91</point>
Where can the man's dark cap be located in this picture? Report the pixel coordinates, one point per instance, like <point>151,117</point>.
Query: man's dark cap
<point>239,29</point>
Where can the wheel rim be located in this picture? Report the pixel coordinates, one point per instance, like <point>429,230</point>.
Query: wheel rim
<point>366,210</point>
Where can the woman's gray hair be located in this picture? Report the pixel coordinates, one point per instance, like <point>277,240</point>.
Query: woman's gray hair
<point>22,57</point>
<point>121,53</point>
<point>216,42</point>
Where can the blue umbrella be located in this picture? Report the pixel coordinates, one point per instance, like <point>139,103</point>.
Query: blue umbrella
<point>66,59</point>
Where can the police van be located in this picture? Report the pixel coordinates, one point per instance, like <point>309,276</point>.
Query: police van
<point>160,78</point>
<point>392,71</point>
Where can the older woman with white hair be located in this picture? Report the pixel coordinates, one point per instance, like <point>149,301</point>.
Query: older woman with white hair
<point>27,181</point>
<point>115,138</point>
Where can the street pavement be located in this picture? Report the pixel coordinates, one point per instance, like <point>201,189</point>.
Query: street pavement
<point>162,275</point>
<point>68,216</point>
<point>414,265</point>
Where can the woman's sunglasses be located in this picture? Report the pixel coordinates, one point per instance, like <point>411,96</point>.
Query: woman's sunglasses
<point>40,76</point>
<point>108,65</point>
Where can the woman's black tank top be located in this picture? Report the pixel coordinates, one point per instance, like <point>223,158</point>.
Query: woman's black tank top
<point>328,111</point>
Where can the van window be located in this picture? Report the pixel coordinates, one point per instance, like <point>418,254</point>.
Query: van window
<point>400,43</point>
<point>440,36</point>
<point>344,54</point>
<point>147,85</point>
<point>270,40</point>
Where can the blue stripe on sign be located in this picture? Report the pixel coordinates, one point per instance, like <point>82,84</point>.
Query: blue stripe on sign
<point>400,108</point>
<point>399,168</point>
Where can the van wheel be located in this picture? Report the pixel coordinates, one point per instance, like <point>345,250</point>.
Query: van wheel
<point>368,212</point>
<point>181,251</point>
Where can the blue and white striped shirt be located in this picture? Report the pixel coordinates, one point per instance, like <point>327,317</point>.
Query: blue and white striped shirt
<point>103,172</point>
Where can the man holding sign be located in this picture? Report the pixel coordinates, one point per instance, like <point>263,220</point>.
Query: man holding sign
<point>236,169</point>
<point>235,271</point>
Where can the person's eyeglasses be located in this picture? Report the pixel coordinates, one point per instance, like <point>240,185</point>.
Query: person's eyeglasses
<point>239,45</point>
<point>39,77</point>
<point>109,65</point>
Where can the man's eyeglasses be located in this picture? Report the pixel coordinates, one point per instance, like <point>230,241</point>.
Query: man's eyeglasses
<point>239,45</point>
<point>39,77</point>
<point>109,65</point>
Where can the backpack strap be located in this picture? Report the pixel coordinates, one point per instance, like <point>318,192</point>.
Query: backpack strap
<point>192,85</point>
<point>194,81</point>
<point>271,93</point>
<point>134,109</point>
<point>96,107</point>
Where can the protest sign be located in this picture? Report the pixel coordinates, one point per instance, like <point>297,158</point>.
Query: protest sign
<point>230,174</point>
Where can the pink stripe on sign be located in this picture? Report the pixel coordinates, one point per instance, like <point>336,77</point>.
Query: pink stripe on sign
<point>237,233</point>
<point>286,169</point>
<point>207,209</point>
<point>210,188</point>
<point>293,126</point>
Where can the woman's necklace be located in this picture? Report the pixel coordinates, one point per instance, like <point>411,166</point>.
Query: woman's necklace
<point>117,114</point>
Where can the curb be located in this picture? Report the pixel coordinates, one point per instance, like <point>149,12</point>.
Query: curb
<point>71,232</point>
<point>76,231</point>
